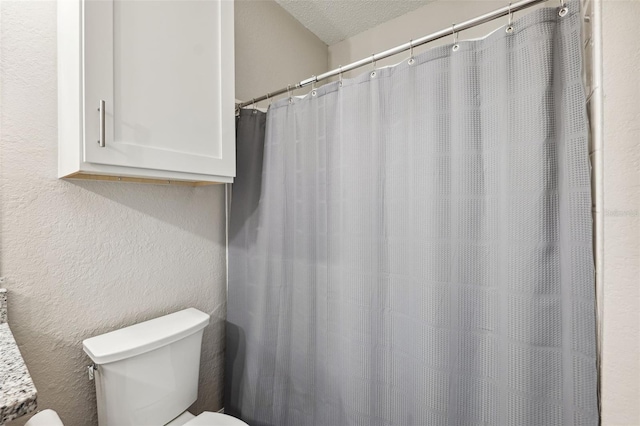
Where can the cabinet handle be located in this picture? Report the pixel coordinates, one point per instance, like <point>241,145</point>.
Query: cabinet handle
<point>101,141</point>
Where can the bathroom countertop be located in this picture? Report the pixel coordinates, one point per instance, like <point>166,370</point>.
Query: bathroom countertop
<point>17,393</point>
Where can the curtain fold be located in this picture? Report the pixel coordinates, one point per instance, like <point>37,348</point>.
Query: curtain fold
<point>414,247</point>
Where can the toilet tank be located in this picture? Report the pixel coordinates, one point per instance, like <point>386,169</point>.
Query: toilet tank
<point>148,373</point>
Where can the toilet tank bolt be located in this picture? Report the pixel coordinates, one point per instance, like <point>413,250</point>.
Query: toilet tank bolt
<point>92,369</point>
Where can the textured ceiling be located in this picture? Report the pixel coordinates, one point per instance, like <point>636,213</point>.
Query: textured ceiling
<point>335,20</point>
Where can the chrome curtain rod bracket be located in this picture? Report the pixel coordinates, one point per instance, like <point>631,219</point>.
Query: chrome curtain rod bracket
<point>487,17</point>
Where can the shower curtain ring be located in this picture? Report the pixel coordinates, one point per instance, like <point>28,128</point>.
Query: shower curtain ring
<point>509,29</point>
<point>373,61</point>
<point>255,107</point>
<point>313,85</point>
<point>411,59</point>
<point>456,46</point>
<point>340,76</point>
<point>289,93</point>
<point>563,8</point>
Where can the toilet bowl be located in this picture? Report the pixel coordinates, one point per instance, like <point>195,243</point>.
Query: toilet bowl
<point>206,419</point>
<point>51,418</point>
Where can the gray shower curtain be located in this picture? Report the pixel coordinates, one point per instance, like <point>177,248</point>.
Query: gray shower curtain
<point>415,246</point>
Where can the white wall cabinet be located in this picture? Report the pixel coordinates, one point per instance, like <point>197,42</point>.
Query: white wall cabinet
<point>146,90</point>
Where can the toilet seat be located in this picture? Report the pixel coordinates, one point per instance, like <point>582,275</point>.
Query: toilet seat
<point>50,418</point>
<point>45,418</point>
<point>208,418</point>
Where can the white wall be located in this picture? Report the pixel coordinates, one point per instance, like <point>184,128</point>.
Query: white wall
<point>621,336</point>
<point>273,50</point>
<point>621,354</point>
<point>82,258</point>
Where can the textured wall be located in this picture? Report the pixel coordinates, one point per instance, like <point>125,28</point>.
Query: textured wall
<point>621,354</point>
<point>273,50</point>
<point>83,258</point>
<point>621,365</point>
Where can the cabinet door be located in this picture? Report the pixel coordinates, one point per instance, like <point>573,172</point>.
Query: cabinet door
<point>164,70</point>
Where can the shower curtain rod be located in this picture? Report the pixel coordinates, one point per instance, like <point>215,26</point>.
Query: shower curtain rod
<point>452,30</point>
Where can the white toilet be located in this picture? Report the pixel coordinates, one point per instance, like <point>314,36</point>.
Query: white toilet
<point>147,374</point>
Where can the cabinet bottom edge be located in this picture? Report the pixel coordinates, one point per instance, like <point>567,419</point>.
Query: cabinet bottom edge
<point>153,181</point>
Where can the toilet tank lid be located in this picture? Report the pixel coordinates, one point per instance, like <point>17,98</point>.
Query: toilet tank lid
<point>145,336</point>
